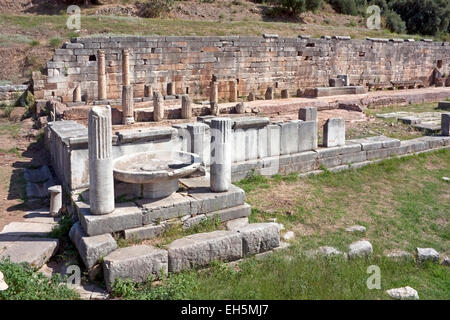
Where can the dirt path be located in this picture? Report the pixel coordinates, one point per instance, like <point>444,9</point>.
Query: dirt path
<point>18,150</point>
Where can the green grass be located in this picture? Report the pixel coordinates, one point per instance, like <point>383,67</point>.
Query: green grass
<point>26,284</point>
<point>421,107</point>
<point>404,203</point>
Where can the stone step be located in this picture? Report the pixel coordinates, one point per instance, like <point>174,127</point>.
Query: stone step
<point>29,229</point>
<point>34,251</point>
<point>136,263</point>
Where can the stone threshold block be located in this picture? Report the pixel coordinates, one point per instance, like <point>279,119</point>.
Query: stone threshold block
<point>125,216</point>
<point>259,237</point>
<point>144,233</point>
<point>34,251</point>
<point>91,249</point>
<point>201,249</point>
<point>136,263</point>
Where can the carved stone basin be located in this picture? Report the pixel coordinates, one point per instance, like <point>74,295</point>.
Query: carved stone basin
<point>157,171</point>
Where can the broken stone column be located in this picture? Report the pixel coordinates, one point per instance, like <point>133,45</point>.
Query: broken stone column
<point>186,107</point>
<point>233,90</point>
<point>221,140</point>
<point>158,106</point>
<point>127,105</point>
<point>269,93</point>
<point>101,181</point>
<point>284,94</point>
<point>125,67</point>
<point>214,92</point>
<point>55,200</point>
<point>77,94</point>
<point>299,93</point>
<point>334,132</point>
<point>215,111</point>
<point>101,69</point>
<point>308,114</point>
<point>251,96</point>
<point>148,91</point>
<point>445,124</point>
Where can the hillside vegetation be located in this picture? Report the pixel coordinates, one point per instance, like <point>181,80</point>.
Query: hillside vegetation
<point>30,31</point>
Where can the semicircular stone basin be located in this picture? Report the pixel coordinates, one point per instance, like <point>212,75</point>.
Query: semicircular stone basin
<point>157,171</point>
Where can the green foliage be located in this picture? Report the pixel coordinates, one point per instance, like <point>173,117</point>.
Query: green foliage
<point>177,287</point>
<point>394,22</point>
<point>55,42</point>
<point>61,230</point>
<point>25,284</point>
<point>34,43</point>
<point>156,8</point>
<point>313,5</point>
<point>295,7</point>
<point>7,109</point>
<point>424,16</point>
<point>344,6</point>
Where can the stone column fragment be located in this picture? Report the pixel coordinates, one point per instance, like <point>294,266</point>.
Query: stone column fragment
<point>158,106</point>
<point>221,140</point>
<point>127,105</point>
<point>197,132</point>
<point>214,92</point>
<point>125,67</point>
<point>101,180</point>
<point>334,132</point>
<point>269,93</point>
<point>101,69</point>
<point>77,94</point>
<point>148,91</point>
<point>233,90</point>
<point>186,107</point>
<point>55,200</point>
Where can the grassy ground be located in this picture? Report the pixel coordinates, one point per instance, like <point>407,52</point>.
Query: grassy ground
<point>404,203</point>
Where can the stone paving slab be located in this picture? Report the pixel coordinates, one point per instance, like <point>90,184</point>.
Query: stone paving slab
<point>34,251</point>
<point>30,229</point>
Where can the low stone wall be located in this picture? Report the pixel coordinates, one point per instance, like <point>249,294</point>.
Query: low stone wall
<point>258,145</point>
<point>10,93</point>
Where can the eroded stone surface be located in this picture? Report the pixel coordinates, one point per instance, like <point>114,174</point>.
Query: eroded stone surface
<point>355,229</point>
<point>202,248</point>
<point>427,254</point>
<point>360,249</point>
<point>259,237</point>
<point>405,293</point>
<point>136,263</point>
<point>34,251</point>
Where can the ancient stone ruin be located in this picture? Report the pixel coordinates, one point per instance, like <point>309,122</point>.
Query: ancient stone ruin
<point>151,132</point>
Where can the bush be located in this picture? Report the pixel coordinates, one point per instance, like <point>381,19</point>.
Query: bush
<point>381,3</point>
<point>344,6</point>
<point>313,5</point>
<point>293,7</point>
<point>394,22</point>
<point>156,8</point>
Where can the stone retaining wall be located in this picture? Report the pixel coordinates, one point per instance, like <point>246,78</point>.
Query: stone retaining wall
<point>254,62</point>
<point>10,93</point>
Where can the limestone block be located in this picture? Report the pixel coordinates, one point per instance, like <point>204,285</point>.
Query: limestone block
<point>227,214</point>
<point>91,249</point>
<point>308,114</point>
<point>136,263</point>
<point>289,138</point>
<point>237,223</point>
<point>186,107</point>
<point>158,106</point>
<point>202,248</point>
<point>307,135</point>
<point>144,233</point>
<point>405,293</point>
<point>334,132</point>
<point>259,237</point>
<point>193,221</point>
<point>34,251</point>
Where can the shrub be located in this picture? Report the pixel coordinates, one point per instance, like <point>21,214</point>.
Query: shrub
<point>25,284</point>
<point>313,5</point>
<point>55,42</point>
<point>394,22</point>
<point>344,6</point>
<point>381,3</point>
<point>292,7</point>
<point>423,16</point>
<point>156,8</point>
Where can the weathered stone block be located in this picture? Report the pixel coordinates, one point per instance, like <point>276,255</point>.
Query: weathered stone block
<point>289,140</point>
<point>125,216</point>
<point>307,135</point>
<point>334,132</point>
<point>144,233</point>
<point>136,263</point>
<point>231,213</point>
<point>360,249</point>
<point>427,254</point>
<point>308,114</point>
<point>202,248</point>
<point>91,249</point>
<point>445,124</point>
<point>259,237</point>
